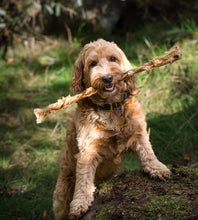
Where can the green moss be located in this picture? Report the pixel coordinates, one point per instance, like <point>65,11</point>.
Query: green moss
<point>108,212</point>
<point>133,194</point>
<point>166,206</point>
<point>185,171</point>
<point>162,207</point>
<point>105,188</point>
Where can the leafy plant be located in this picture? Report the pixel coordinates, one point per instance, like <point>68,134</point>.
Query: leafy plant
<point>17,16</point>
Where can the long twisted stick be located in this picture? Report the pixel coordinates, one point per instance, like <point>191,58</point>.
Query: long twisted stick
<point>173,55</point>
<point>61,103</point>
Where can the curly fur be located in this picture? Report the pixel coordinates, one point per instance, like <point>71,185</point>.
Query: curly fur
<point>96,142</point>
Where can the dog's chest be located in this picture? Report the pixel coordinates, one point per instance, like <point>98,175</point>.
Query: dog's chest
<point>113,122</point>
<point>113,133</point>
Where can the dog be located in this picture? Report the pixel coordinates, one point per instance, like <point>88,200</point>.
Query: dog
<point>105,128</point>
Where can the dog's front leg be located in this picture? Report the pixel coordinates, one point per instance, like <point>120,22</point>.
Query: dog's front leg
<point>149,162</point>
<point>87,162</point>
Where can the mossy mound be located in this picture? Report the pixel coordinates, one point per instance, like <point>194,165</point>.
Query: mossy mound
<point>133,195</point>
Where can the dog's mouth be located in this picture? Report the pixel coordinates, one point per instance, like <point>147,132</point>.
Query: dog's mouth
<point>109,88</point>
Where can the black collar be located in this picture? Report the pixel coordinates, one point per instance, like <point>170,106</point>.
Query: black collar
<point>115,105</point>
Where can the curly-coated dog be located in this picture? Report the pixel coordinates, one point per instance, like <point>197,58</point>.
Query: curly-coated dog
<point>105,128</point>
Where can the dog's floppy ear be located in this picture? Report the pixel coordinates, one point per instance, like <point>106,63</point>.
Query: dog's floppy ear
<point>77,77</point>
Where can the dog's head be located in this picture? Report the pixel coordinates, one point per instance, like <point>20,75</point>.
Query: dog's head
<point>101,64</point>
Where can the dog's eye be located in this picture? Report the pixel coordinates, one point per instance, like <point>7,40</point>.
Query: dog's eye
<point>93,63</point>
<point>113,59</point>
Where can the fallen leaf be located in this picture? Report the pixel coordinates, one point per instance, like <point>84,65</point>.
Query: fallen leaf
<point>186,157</point>
<point>10,60</point>
<point>177,192</point>
<point>44,213</point>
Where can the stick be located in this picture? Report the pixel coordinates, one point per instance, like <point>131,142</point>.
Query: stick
<point>173,55</point>
<point>61,103</point>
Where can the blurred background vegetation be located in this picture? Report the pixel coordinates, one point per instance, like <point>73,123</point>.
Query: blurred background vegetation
<point>40,41</point>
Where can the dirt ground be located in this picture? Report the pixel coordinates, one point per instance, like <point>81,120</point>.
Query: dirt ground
<point>133,195</point>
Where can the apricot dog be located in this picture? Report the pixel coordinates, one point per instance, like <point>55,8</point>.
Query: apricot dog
<point>105,128</point>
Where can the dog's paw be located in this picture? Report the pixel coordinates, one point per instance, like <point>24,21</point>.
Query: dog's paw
<point>156,169</point>
<point>79,207</point>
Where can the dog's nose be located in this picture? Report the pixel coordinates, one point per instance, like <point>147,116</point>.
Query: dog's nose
<point>107,78</point>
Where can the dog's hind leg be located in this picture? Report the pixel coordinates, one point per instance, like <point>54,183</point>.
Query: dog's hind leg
<point>64,191</point>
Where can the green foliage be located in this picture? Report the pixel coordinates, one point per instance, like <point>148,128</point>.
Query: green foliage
<point>18,16</point>
<point>29,153</point>
<point>169,94</point>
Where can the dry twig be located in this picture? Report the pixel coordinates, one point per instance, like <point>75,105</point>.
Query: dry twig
<point>172,55</point>
<point>62,103</point>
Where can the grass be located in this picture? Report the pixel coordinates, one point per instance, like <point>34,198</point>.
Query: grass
<point>29,152</point>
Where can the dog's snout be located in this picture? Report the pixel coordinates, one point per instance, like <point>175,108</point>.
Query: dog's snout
<point>107,78</point>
